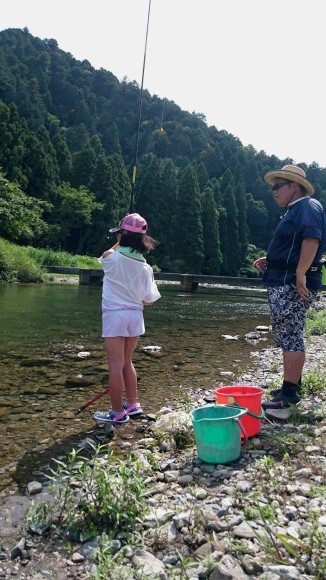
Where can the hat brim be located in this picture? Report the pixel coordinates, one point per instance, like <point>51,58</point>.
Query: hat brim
<point>271,176</point>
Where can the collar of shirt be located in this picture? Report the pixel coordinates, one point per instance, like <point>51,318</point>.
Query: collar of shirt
<point>296,201</point>
<point>130,253</point>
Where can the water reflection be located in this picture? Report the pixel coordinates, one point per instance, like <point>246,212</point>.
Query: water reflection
<point>43,382</point>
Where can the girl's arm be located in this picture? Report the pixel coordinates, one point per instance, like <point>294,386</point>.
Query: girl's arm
<point>110,251</point>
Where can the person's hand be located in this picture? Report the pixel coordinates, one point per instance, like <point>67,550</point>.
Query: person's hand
<point>260,263</point>
<point>301,285</point>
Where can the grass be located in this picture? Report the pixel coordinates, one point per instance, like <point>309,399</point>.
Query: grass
<point>26,264</point>
<point>16,265</point>
<point>48,257</point>
<point>316,322</point>
<point>314,383</point>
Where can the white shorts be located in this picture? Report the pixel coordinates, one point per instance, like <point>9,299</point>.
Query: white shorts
<point>122,323</point>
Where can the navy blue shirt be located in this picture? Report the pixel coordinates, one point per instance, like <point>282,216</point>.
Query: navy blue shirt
<point>304,218</point>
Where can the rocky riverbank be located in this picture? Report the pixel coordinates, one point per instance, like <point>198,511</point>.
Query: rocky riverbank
<point>262,517</point>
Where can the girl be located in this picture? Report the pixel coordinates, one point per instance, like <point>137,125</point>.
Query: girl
<point>128,285</point>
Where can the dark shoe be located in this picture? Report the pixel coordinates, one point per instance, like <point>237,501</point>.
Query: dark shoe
<point>281,401</point>
<point>275,392</point>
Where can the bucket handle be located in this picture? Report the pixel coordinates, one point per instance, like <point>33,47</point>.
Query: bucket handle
<point>243,431</point>
<point>233,403</point>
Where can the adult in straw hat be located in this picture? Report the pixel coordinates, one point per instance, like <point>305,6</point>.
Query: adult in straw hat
<point>292,274</point>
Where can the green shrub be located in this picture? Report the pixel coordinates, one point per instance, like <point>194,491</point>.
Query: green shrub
<point>16,265</point>
<point>48,257</point>
<point>92,496</point>
<point>26,264</point>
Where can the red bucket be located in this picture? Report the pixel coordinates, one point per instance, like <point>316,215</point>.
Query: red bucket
<point>246,396</point>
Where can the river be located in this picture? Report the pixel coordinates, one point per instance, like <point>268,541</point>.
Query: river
<point>43,381</point>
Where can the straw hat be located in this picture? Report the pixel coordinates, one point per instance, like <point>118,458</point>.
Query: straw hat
<point>291,173</point>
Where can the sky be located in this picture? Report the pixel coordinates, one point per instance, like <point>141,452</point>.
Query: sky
<point>254,68</point>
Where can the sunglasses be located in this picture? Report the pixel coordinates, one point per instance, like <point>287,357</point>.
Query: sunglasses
<point>277,186</point>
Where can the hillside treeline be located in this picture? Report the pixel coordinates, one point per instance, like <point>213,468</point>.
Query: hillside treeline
<point>67,144</point>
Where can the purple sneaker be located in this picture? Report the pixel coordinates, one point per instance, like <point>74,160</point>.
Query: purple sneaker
<point>133,410</point>
<point>110,417</point>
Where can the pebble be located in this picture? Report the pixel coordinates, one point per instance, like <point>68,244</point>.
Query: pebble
<point>190,501</point>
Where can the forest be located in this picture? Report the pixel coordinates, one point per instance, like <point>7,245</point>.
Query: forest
<point>68,137</point>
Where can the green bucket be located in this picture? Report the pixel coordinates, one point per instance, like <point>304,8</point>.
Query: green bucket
<point>217,433</point>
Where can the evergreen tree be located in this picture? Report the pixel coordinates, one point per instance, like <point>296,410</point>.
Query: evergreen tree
<point>110,140</point>
<point>111,185</point>
<point>231,249</point>
<point>41,165</point>
<point>14,133</point>
<point>146,198</point>
<point>77,137</point>
<point>62,151</point>
<point>257,221</point>
<point>83,166</point>
<point>124,186</point>
<point>188,226</point>
<point>167,190</point>
<point>210,220</point>
<point>203,176</point>
<point>241,203</point>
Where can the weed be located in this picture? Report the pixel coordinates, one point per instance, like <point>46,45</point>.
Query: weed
<point>40,513</point>
<point>314,382</point>
<point>183,437</point>
<point>108,566</point>
<point>236,547</point>
<point>316,322</point>
<point>308,555</point>
<point>252,513</point>
<point>286,443</point>
<point>275,366</point>
<point>98,494</point>
<point>318,491</point>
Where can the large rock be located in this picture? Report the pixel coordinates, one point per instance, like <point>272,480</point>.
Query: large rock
<point>148,564</point>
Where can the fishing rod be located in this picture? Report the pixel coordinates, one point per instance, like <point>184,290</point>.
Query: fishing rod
<point>105,391</point>
<point>91,401</point>
<point>134,171</point>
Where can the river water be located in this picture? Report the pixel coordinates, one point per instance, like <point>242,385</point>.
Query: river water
<point>43,381</point>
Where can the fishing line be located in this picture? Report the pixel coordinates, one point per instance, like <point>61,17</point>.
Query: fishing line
<point>134,171</point>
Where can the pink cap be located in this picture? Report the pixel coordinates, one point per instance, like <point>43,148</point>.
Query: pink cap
<point>132,222</point>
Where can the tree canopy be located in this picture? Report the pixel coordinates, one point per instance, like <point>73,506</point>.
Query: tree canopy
<point>68,136</point>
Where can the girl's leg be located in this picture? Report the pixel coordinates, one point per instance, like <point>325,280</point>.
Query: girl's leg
<point>129,372</point>
<point>115,348</point>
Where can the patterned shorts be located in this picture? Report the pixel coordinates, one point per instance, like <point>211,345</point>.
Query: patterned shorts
<point>288,315</point>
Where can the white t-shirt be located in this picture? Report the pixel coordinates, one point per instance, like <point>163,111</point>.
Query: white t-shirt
<point>127,283</point>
